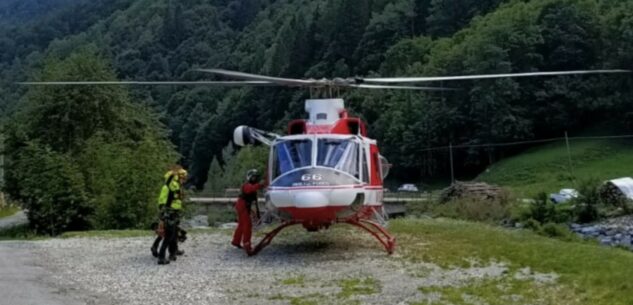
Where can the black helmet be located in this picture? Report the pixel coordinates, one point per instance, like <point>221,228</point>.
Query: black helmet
<point>252,175</point>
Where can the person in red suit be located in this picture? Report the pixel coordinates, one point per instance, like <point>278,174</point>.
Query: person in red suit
<point>246,199</point>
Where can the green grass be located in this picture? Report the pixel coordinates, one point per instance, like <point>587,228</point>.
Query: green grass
<point>589,274</point>
<point>546,168</point>
<point>310,299</point>
<point>500,291</point>
<point>9,210</point>
<point>107,234</point>
<point>354,286</point>
<point>298,281</point>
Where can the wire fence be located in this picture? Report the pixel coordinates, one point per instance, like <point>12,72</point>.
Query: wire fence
<point>539,141</point>
<point>573,158</point>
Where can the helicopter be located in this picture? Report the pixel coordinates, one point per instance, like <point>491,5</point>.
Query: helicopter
<point>325,170</point>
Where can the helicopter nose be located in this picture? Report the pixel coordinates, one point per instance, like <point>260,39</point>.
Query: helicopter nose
<point>311,200</point>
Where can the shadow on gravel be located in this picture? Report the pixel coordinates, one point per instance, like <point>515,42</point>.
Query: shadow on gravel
<point>300,249</point>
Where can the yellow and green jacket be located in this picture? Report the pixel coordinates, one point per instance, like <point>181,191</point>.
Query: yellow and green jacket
<point>171,193</point>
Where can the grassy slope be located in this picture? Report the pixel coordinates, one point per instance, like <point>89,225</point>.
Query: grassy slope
<point>546,168</point>
<point>8,211</point>
<point>589,274</point>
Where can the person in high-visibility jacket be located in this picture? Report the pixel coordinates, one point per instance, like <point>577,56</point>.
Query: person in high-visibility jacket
<point>247,197</point>
<point>170,206</point>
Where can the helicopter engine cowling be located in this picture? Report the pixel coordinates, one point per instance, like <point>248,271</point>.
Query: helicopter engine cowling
<point>242,136</point>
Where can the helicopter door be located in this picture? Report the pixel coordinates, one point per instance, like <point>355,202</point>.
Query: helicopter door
<point>364,152</point>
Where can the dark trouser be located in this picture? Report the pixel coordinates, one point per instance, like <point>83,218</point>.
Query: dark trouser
<point>157,242</point>
<point>172,220</point>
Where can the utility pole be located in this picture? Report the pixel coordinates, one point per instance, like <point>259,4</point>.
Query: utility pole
<point>571,166</point>
<point>2,199</point>
<point>450,147</point>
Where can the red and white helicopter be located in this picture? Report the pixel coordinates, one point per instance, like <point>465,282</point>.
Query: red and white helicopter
<point>326,170</point>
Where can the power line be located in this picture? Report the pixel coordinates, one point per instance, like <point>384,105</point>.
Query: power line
<point>523,142</point>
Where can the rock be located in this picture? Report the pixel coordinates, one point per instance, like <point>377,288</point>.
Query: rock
<point>589,230</point>
<point>611,232</point>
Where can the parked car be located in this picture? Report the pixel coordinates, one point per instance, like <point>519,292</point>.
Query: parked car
<point>408,188</point>
<point>563,195</point>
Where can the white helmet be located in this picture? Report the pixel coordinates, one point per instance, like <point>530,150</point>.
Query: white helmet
<point>252,175</point>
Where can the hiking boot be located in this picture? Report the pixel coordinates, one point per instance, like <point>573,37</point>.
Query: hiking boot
<point>180,252</point>
<point>172,257</point>
<point>162,261</point>
<point>154,252</point>
<point>236,245</point>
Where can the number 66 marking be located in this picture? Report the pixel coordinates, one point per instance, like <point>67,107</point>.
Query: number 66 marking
<point>313,177</point>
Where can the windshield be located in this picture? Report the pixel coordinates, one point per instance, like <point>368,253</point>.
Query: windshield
<point>292,154</point>
<point>340,154</point>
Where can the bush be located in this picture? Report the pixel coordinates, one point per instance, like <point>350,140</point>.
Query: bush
<point>123,181</point>
<point>542,210</point>
<point>476,209</point>
<point>51,189</point>
<point>556,231</point>
<point>586,205</point>
<point>533,225</point>
<point>17,232</point>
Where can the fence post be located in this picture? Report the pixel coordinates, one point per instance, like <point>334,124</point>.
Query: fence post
<point>571,166</point>
<point>450,147</point>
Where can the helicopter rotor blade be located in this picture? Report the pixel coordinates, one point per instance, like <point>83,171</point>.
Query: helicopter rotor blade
<point>392,87</point>
<point>277,80</point>
<point>485,76</point>
<point>152,83</point>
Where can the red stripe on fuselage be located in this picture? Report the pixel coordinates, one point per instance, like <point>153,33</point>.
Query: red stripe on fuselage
<point>322,215</point>
<point>287,188</point>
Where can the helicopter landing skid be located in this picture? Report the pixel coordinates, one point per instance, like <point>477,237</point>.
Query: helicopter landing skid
<point>388,241</point>
<point>269,237</point>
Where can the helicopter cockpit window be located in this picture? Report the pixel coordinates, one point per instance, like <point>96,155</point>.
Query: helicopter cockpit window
<point>339,154</point>
<point>292,154</point>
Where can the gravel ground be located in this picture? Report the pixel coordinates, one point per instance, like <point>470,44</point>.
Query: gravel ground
<point>296,268</point>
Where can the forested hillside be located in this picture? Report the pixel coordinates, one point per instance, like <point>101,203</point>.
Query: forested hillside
<point>165,40</point>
